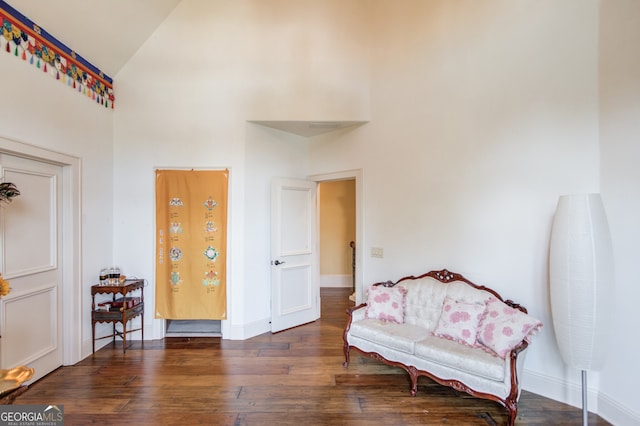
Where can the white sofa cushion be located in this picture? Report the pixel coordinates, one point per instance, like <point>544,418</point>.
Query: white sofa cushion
<point>425,298</point>
<point>423,302</point>
<point>401,337</point>
<point>472,360</point>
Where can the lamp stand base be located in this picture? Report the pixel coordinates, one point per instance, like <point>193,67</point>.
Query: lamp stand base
<point>585,409</point>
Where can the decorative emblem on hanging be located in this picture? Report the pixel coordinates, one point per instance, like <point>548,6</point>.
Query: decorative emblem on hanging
<point>210,227</point>
<point>210,203</point>
<point>211,253</point>
<point>175,278</point>
<point>175,228</point>
<point>211,279</point>
<point>175,254</point>
<point>176,202</point>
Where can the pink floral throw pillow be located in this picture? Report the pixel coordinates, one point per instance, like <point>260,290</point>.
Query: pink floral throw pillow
<point>459,321</point>
<point>503,327</point>
<point>386,303</point>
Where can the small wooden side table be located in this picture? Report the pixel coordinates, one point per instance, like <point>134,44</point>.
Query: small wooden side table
<point>122,315</point>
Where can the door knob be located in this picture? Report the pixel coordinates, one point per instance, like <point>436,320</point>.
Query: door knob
<point>277,262</point>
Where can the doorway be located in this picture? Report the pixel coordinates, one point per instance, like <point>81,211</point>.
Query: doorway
<point>337,233</point>
<point>354,261</point>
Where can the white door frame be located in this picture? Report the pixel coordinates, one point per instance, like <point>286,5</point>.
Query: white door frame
<point>357,175</point>
<point>71,241</point>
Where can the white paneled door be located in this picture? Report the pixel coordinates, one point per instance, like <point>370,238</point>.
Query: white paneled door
<point>295,292</point>
<point>30,249</point>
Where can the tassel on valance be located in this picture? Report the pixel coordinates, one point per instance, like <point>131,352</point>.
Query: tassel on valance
<point>28,41</point>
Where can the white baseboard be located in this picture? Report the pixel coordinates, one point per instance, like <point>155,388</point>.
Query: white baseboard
<point>246,331</point>
<point>559,390</point>
<point>336,281</point>
<point>617,414</point>
<point>571,393</point>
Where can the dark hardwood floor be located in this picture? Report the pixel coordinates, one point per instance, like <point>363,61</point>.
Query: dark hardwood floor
<point>294,377</point>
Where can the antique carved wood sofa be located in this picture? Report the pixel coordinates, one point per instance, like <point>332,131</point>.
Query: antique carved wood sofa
<point>445,327</point>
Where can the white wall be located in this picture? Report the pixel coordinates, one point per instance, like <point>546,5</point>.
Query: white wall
<point>483,113</point>
<point>179,107</point>
<point>620,175</point>
<point>269,153</point>
<point>40,111</point>
<point>184,101</point>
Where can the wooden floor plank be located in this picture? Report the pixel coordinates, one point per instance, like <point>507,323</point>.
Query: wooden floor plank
<point>294,377</point>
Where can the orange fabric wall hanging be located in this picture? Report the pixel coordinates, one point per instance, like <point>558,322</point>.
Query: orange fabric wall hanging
<point>191,244</point>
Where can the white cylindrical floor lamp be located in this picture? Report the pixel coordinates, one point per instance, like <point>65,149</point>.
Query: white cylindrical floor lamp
<point>581,281</point>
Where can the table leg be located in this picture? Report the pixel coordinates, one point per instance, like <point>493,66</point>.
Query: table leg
<point>124,336</point>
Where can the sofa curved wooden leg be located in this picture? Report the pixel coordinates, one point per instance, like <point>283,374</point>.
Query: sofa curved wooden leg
<point>346,355</point>
<point>413,375</point>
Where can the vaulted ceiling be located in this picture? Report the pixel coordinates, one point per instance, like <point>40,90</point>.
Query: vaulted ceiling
<point>105,33</point>
<point>108,33</point>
